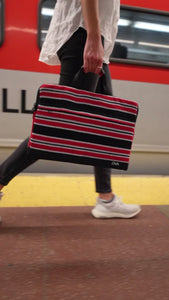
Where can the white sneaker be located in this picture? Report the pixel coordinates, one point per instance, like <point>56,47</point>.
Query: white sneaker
<point>1,194</point>
<point>115,209</point>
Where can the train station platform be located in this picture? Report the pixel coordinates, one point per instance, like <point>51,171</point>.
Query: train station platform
<point>52,248</point>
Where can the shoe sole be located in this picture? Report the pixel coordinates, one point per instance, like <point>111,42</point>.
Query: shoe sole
<point>99,215</point>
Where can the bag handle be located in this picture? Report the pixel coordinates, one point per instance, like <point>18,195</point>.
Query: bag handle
<point>86,81</point>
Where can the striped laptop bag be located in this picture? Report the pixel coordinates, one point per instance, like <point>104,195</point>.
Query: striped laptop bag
<point>78,126</point>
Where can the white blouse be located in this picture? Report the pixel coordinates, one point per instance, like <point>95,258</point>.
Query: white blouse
<point>67,18</point>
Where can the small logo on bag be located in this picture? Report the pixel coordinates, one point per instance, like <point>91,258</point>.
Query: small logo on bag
<point>115,163</point>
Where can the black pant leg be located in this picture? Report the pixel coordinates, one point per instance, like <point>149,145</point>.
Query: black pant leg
<point>71,57</point>
<point>16,162</point>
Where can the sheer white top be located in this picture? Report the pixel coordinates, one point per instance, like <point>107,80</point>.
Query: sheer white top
<point>67,18</point>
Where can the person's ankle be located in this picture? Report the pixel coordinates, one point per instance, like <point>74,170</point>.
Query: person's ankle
<point>106,196</point>
<point>1,187</point>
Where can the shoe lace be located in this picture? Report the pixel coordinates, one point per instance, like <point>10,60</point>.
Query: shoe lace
<point>119,200</point>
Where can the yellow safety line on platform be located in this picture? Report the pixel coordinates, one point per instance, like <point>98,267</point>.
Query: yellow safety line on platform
<point>78,190</point>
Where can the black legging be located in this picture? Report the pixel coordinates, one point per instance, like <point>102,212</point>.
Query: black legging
<point>71,57</point>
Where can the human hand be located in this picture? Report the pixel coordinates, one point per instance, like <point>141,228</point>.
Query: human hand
<point>93,55</point>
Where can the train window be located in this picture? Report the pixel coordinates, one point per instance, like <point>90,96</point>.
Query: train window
<point>142,37</point>
<point>45,14</point>
<point>1,21</point>
<point>142,34</point>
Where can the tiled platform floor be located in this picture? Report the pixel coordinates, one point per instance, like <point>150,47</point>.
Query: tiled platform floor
<point>63,253</point>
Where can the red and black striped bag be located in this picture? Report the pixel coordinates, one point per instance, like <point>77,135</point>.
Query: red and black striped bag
<point>77,126</point>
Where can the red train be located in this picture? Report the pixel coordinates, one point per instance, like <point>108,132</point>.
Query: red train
<point>20,50</point>
<point>139,68</point>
